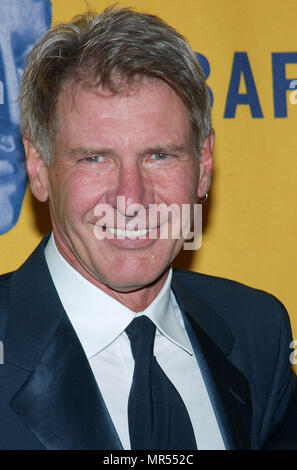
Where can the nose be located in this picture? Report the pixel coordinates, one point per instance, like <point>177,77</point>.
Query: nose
<point>133,191</point>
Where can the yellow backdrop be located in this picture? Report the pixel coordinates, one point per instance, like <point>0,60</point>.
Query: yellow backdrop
<point>250,223</point>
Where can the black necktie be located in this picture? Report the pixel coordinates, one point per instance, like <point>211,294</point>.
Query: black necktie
<point>158,418</point>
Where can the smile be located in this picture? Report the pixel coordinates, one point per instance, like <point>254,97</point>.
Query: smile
<point>124,233</point>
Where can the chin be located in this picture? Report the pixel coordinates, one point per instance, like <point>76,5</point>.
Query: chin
<point>123,281</point>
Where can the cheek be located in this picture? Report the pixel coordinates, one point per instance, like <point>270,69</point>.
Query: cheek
<point>76,195</point>
<point>178,186</point>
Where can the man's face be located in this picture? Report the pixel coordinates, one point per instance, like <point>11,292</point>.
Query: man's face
<point>136,145</point>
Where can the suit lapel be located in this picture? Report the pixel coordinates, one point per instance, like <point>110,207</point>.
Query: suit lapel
<point>212,342</point>
<point>60,401</point>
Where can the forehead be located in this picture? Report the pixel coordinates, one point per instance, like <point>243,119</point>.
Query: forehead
<point>146,109</point>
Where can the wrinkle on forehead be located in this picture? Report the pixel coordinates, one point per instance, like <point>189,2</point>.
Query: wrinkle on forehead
<point>71,88</point>
<point>122,109</point>
<point>72,92</point>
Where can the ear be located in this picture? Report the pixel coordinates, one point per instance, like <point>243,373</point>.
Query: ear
<point>206,165</point>
<point>37,171</point>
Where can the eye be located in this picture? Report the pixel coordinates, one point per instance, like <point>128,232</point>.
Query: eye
<point>159,160</point>
<point>95,159</point>
<point>160,156</point>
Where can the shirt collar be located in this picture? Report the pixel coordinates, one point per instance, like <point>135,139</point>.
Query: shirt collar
<point>165,313</point>
<point>98,318</point>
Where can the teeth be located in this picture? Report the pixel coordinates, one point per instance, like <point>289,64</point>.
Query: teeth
<point>128,233</point>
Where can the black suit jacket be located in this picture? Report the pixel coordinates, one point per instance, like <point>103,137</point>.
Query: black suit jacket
<point>50,400</point>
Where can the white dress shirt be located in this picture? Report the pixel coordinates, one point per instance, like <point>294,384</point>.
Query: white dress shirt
<point>100,322</point>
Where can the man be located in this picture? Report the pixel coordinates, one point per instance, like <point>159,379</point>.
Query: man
<point>116,116</point>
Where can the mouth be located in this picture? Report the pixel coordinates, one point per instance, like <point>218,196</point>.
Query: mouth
<point>127,233</point>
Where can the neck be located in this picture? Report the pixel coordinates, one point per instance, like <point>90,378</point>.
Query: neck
<point>137,300</point>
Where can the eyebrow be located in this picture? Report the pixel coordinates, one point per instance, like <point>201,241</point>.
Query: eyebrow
<point>87,152</point>
<point>167,148</point>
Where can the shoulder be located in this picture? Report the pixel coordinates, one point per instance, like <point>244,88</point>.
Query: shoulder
<point>238,304</point>
<point>5,285</point>
<point>4,298</point>
<point>258,322</point>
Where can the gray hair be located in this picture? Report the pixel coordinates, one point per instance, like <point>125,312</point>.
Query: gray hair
<point>112,50</point>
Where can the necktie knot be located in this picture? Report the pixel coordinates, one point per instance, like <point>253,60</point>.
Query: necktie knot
<point>141,333</point>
